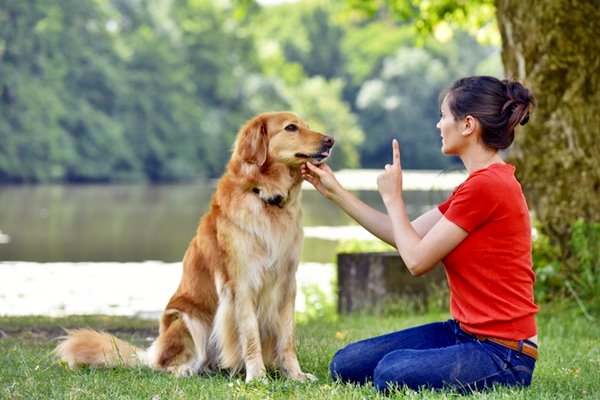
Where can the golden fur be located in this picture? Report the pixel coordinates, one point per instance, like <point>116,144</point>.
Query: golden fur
<point>234,307</point>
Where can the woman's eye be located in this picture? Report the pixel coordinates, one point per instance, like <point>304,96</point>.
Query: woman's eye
<point>291,128</point>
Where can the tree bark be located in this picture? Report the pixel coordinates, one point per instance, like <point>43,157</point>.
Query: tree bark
<point>554,47</point>
<point>369,282</point>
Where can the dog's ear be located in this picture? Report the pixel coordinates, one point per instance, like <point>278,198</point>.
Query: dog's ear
<point>253,142</point>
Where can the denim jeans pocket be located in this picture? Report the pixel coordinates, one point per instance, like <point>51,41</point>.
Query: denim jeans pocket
<point>514,368</point>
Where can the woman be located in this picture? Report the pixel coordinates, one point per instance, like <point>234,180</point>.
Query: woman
<point>481,234</point>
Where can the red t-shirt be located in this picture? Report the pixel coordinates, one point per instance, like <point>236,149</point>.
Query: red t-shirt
<point>490,272</point>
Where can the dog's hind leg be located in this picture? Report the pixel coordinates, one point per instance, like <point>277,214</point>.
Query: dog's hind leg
<point>200,330</point>
<point>180,348</point>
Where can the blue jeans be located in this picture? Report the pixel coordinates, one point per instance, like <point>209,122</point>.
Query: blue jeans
<point>435,355</point>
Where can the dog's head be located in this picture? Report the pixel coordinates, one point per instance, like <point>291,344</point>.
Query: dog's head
<point>281,137</point>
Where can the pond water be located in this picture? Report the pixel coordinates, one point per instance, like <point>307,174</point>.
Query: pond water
<point>125,223</point>
<point>115,249</point>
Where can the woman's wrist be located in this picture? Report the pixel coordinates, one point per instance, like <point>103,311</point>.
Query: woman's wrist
<point>393,204</point>
<point>338,195</point>
<point>346,201</point>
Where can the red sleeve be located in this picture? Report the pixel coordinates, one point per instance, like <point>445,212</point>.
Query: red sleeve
<point>443,207</point>
<point>472,204</point>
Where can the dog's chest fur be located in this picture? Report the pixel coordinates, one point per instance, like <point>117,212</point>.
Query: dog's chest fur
<point>264,239</point>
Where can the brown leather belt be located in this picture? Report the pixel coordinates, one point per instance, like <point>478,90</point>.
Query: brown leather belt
<point>525,348</point>
<point>516,345</point>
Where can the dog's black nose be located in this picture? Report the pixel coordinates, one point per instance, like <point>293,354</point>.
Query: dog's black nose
<point>328,141</point>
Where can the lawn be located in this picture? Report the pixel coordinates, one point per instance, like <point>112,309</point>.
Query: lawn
<point>568,368</point>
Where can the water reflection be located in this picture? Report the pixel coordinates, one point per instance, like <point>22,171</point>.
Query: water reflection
<point>52,223</point>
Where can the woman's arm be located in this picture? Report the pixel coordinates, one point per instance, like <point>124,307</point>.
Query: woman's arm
<point>376,222</point>
<point>419,252</point>
<point>425,222</point>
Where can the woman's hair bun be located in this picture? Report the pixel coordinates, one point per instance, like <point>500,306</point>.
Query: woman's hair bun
<point>519,103</point>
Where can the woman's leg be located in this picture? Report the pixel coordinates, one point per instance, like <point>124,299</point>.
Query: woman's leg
<point>467,365</point>
<point>356,362</point>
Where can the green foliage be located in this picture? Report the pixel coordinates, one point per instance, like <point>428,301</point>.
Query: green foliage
<point>389,84</point>
<point>113,90</point>
<point>576,275</point>
<point>308,64</point>
<point>389,103</point>
<point>318,305</point>
<point>584,261</point>
<point>547,266</point>
<point>430,17</point>
<point>368,45</point>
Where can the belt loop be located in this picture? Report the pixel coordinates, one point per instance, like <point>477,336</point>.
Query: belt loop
<point>521,346</point>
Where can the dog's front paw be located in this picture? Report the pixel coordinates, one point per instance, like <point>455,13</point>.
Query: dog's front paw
<point>258,374</point>
<point>303,377</point>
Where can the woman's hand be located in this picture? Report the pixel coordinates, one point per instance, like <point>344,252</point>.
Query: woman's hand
<point>389,182</point>
<point>322,178</point>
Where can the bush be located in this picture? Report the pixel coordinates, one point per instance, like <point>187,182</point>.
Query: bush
<point>575,271</point>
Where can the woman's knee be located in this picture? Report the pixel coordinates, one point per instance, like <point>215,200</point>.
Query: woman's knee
<point>398,369</point>
<point>340,365</point>
<point>383,377</point>
<point>347,365</point>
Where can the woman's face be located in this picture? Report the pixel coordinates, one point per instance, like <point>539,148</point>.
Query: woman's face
<point>451,131</point>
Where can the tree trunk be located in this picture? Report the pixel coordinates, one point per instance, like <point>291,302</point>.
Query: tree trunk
<point>369,282</point>
<point>554,47</point>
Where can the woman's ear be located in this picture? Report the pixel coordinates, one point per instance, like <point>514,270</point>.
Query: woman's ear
<point>471,124</point>
<point>252,144</point>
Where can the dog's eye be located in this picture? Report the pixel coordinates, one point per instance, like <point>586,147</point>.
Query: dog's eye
<point>291,128</point>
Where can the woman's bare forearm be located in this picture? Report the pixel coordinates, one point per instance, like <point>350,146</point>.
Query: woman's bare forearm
<point>377,222</point>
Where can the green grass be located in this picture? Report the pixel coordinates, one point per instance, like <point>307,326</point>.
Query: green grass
<point>568,368</point>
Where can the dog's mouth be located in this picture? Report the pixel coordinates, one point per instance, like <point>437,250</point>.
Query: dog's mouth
<point>317,157</point>
<point>322,154</point>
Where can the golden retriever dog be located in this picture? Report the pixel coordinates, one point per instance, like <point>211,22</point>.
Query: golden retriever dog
<point>234,307</point>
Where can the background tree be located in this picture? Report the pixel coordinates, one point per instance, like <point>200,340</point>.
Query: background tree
<point>389,85</point>
<point>31,83</point>
<point>300,46</point>
<point>104,91</point>
<point>553,46</point>
<point>404,108</point>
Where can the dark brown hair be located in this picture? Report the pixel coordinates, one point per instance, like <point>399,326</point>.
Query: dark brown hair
<point>498,105</point>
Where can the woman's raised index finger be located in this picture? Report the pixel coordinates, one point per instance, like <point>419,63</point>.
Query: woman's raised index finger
<point>396,152</point>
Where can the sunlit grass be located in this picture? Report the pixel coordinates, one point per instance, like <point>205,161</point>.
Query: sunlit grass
<point>569,365</point>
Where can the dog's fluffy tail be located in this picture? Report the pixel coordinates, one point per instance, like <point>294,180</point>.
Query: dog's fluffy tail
<point>98,350</point>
